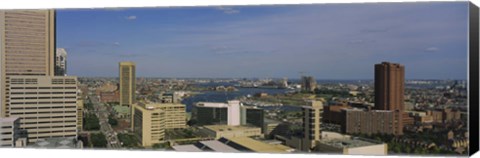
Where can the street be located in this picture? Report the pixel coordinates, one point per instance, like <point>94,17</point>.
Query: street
<point>105,127</point>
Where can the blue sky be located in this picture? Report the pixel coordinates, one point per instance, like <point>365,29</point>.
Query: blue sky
<point>328,41</point>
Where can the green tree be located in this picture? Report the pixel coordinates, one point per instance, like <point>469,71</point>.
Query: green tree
<point>396,148</point>
<point>408,149</point>
<point>128,140</point>
<point>165,145</point>
<point>112,121</point>
<point>91,122</point>
<point>98,140</point>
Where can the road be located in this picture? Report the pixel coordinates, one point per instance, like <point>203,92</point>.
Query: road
<point>102,114</point>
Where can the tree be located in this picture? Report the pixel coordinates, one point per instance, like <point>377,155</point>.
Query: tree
<point>395,147</point>
<point>165,145</point>
<point>98,140</point>
<point>128,140</point>
<point>112,121</point>
<point>408,149</point>
<point>91,122</point>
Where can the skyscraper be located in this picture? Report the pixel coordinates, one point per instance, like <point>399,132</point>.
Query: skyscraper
<point>127,83</point>
<point>308,83</point>
<point>389,91</point>
<point>60,62</point>
<point>389,86</point>
<point>28,46</point>
<point>45,104</point>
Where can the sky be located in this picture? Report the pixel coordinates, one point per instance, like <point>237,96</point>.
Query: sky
<point>327,41</point>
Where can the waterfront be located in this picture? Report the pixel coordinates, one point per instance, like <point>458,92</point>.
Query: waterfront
<point>223,96</point>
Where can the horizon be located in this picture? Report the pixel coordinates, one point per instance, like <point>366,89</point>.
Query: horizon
<point>273,78</point>
<point>268,41</point>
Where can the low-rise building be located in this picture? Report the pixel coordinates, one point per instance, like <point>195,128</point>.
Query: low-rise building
<point>58,143</point>
<point>121,111</point>
<point>251,145</point>
<point>215,145</point>
<point>108,92</point>
<point>9,131</point>
<point>236,144</point>
<point>351,146</point>
<point>232,113</point>
<point>356,121</point>
<point>333,113</point>
<point>186,148</point>
<point>270,127</point>
<point>218,131</point>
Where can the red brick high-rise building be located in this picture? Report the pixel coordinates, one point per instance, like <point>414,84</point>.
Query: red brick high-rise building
<point>388,115</point>
<point>389,91</point>
<point>389,86</point>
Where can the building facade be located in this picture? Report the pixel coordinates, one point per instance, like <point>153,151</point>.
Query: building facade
<point>358,121</point>
<point>252,116</point>
<point>61,62</point>
<point>308,83</point>
<point>27,47</point>
<point>175,114</point>
<point>148,124</point>
<point>389,86</point>
<point>351,146</point>
<point>9,131</point>
<point>46,105</point>
<point>312,116</point>
<point>219,131</point>
<point>232,113</point>
<point>206,115</point>
<point>80,107</point>
<point>389,91</point>
<point>127,83</point>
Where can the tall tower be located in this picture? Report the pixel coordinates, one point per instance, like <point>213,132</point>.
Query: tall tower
<point>61,62</point>
<point>389,91</point>
<point>389,86</point>
<point>308,83</point>
<point>127,83</point>
<point>312,116</point>
<point>45,104</point>
<point>27,46</point>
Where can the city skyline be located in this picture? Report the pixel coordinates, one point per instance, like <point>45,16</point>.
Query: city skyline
<point>268,41</point>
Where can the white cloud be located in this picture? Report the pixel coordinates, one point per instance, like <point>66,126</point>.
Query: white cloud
<point>131,17</point>
<point>432,49</point>
<point>228,10</point>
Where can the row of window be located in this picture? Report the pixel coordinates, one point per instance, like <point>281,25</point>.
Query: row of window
<point>55,102</point>
<point>62,97</point>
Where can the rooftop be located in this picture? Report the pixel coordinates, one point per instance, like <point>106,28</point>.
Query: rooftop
<point>348,142</point>
<point>59,143</point>
<point>153,105</point>
<point>220,128</point>
<point>258,146</point>
<point>107,87</point>
<point>266,120</point>
<point>121,109</point>
<point>211,104</point>
<point>218,146</point>
<point>8,119</point>
<point>187,148</point>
